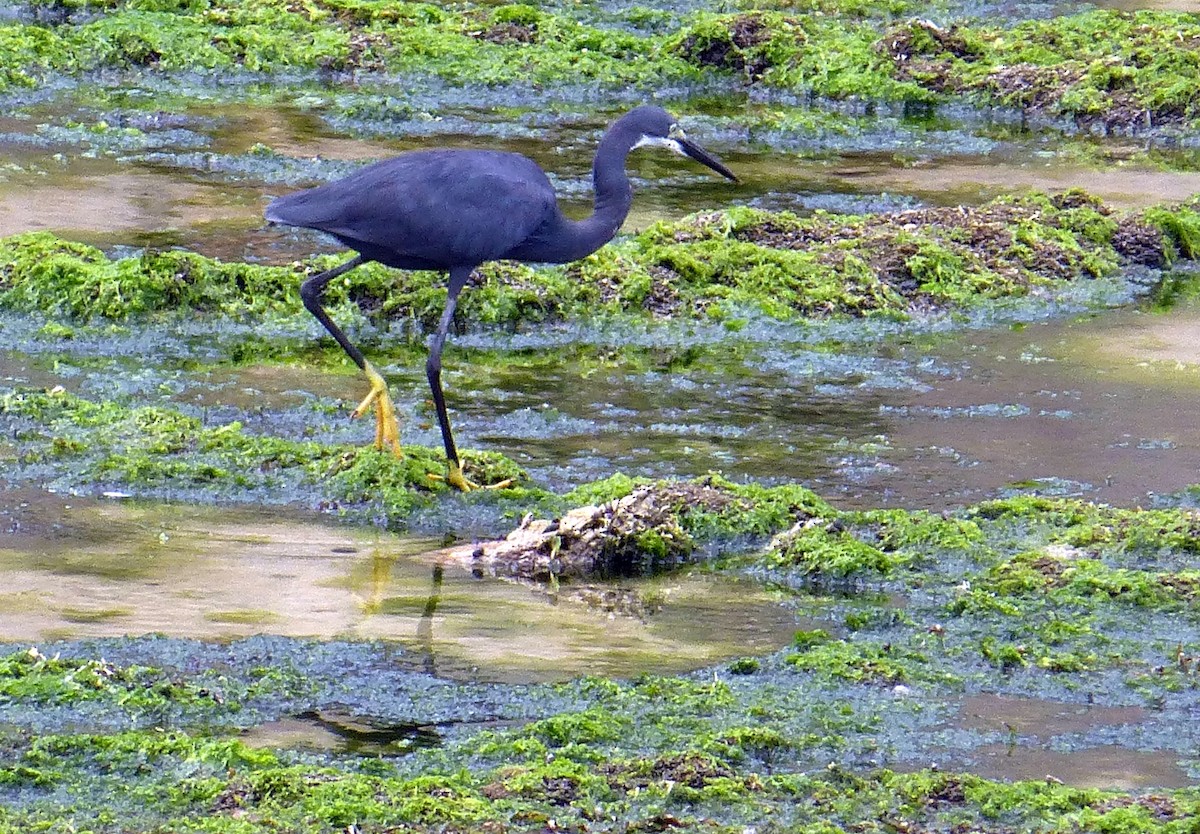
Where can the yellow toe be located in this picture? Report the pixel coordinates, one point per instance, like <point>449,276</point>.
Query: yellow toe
<point>387,427</point>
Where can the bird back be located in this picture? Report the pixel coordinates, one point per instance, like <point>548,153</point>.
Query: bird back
<point>432,209</point>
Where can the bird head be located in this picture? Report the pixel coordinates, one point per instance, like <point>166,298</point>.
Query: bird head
<point>658,127</point>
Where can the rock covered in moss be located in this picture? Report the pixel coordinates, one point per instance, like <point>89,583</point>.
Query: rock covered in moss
<point>648,527</point>
<point>637,534</point>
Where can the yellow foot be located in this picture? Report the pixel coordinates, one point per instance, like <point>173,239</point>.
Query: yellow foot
<point>455,478</point>
<point>387,427</point>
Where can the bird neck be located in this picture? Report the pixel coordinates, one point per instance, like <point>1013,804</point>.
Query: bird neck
<point>613,196</point>
<point>613,192</point>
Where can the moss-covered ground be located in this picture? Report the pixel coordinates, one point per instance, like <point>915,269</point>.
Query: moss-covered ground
<point>715,266</point>
<point>1033,598</point>
<point>1124,70</point>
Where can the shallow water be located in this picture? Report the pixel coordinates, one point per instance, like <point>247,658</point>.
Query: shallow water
<point>1099,406</point>
<point>1103,407</point>
<point>74,567</point>
<point>972,181</point>
<point>1054,740</point>
<point>1109,766</point>
<point>199,174</point>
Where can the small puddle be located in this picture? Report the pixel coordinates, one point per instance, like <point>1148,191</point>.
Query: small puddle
<point>1107,408</point>
<point>332,732</point>
<point>1038,717</point>
<point>1106,766</point>
<point>1037,750</point>
<point>76,568</point>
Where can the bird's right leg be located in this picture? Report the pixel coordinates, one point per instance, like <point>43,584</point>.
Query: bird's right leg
<point>387,429</point>
<point>433,372</point>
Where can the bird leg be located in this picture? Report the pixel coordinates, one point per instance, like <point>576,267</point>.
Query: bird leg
<point>387,429</point>
<point>433,371</point>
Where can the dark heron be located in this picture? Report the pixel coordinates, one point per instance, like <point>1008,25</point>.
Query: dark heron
<point>452,210</point>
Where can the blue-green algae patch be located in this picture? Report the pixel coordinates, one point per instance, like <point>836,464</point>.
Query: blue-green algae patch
<point>161,451</point>
<point>691,752</point>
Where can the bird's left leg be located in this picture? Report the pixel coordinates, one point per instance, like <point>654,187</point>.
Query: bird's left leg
<point>387,429</point>
<point>433,371</point>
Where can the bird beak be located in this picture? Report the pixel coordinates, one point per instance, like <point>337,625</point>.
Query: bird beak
<point>687,147</point>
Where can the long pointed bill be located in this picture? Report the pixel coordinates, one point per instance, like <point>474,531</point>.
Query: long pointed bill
<point>690,148</point>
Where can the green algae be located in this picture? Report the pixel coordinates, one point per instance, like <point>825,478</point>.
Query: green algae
<point>31,677</point>
<point>218,785</point>
<point>1121,532</point>
<point>136,694</point>
<point>477,45</point>
<point>711,266</point>
<point>699,750</point>
<point>713,508</point>
<point>880,663</point>
<point>155,447</point>
<point>829,555</point>
<point>1126,70</point>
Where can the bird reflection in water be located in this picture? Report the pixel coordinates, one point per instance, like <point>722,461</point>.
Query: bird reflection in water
<point>382,565</point>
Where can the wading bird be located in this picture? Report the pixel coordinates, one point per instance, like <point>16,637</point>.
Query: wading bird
<point>452,210</point>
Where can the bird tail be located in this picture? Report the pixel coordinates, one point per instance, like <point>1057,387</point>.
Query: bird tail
<point>277,211</point>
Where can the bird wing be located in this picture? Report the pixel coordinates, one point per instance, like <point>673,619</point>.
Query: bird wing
<point>438,208</point>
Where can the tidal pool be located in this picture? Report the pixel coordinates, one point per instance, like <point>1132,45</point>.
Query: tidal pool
<point>1101,407</point>
<point>1046,739</point>
<point>73,567</point>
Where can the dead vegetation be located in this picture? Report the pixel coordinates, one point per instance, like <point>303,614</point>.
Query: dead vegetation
<point>631,536</point>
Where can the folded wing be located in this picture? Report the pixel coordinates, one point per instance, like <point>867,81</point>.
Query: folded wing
<point>429,209</point>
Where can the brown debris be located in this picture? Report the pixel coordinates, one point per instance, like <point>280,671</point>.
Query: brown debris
<point>1162,808</point>
<point>692,770</point>
<point>362,52</point>
<point>506,33</point>
<point>1034,88</point>
<point>658,823</point>
<point>1051,568</point>
<point>1140,242</point>
<point>924,52</point>
<point>630,536</point>
<point>663,299</point>
<point>745,32</point>
<point>1184,587</point>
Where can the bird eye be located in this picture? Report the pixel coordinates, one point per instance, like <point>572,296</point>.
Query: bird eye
<point>675,131</point>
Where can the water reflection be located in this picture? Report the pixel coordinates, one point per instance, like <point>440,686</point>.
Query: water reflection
<point>1107,408</point>
<point>73,568</point>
